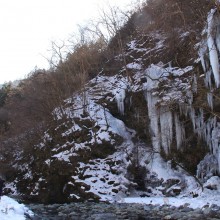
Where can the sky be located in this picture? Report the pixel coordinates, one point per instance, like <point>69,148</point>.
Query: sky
<point>29,26</point>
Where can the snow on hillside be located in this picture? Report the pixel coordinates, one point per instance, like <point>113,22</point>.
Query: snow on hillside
<point>88,124</point>
<point>98,173</point>
<point>108,177</point>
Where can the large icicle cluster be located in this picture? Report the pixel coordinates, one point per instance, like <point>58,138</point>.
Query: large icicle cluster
<point>210,129</point>
<point>211,46</point>
<point>166,127</point>
<point>163,123</point>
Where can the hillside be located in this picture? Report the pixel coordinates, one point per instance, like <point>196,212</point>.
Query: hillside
<point>143,121</point>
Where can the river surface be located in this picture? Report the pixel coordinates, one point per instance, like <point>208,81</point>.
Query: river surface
<point>117,211</point>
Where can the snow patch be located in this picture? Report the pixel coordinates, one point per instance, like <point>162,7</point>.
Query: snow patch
<point>10,209</point>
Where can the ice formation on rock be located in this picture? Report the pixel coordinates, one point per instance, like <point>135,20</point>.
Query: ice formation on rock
<point>162,119</point>
<point>120,98</point>
<point>154,120</point>
<point>209,129</point>
<point>166,128</point>
<point>207,167</point>
<point>210,99</point>
<point>165,125</point>
<point>213,53</point>
<point>180,131</point>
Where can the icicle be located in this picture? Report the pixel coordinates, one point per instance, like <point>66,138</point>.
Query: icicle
<point>215,140</point>
<point>154,120</point>
<point>183,109</point>
<point>161,124</point>
<point>208,81</point>
<point>170,64</point>
<point>166,128</point>
<point>203,124</point>
<point>214,121</point>
<point>218,156</point>
<point>189,97</point>
<point>203,63</point>
<point>154,73</point>
<point>210,127</point>
<point>217,38</point>
<point>120,97</point>
<point>180,132</point>
<point>193,118</point>
<point>210,99</point>
<point>213,54</point>
<point>195,84</point>
<point>208,133</point>
<point>202,51</point>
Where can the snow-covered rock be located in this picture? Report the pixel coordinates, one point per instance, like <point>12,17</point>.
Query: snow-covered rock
<point>98,149</point>
<point>11,209</point>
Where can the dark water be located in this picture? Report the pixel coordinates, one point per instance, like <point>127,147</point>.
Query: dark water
<point>116,211</point>
<point>93,211</point>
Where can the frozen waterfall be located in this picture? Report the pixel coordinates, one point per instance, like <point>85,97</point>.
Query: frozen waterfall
<point>164,124</point>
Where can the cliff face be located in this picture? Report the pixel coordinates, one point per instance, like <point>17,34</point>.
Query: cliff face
<point>150,129</point>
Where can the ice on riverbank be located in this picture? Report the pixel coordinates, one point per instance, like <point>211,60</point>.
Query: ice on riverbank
<point>208,197</point>
<point>12,210</point>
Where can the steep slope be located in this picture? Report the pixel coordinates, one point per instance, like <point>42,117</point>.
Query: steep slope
<point>150,129</point>
<point>90,154</point>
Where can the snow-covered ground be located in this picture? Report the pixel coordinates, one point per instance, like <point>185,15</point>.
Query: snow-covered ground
<point>12,210</point>
<point>207,197</point>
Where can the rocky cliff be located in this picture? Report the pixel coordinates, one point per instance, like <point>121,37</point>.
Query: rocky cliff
<point>151,127</point>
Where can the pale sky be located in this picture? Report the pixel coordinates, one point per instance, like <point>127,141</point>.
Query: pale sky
<point>29,26</point>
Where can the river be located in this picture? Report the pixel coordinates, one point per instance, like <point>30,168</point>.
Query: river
<point>117,211</point>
